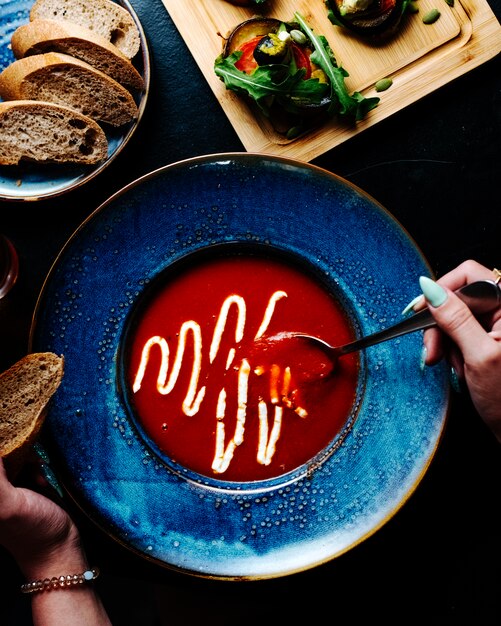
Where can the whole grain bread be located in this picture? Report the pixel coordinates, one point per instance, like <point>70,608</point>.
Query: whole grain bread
<point>45,132</point>
<point>104,17</point>
<point>65,80</point>
<point>25,391</point>
<point>40,36</point>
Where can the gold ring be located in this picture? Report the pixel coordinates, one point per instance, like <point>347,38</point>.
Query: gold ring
<point>497,275</point>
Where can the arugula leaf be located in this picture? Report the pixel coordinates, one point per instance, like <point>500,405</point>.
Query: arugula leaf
<point>355,105</point>
<point>269,82</point>
<point>332,16</point>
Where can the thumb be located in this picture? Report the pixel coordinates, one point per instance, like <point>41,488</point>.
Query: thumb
<point>454,318</point>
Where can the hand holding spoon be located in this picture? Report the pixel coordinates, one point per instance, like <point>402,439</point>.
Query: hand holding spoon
<point>481,297</point>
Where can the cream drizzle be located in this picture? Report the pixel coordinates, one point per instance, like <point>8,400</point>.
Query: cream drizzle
<point>279,398</point>
<point>267,446</point>
<point>221,323</point>
<point>191,403</point>
<point>268,314</point>
<point>223,456</point>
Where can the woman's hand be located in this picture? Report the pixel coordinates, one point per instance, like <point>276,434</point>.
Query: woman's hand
<point>471,346</point>
<point>45,542</point>
<point>32,527</point>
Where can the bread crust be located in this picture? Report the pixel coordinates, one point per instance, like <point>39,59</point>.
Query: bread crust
<point>104,17</point>
<point>49,133</point>
<point>25,391</point>
<point>65,80</point>
<point>41,35</point>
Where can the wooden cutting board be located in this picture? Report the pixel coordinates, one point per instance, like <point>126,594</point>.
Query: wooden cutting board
<point>419,59</point>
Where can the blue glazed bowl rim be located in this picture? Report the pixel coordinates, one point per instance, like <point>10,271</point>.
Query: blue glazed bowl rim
<point>236,533</point>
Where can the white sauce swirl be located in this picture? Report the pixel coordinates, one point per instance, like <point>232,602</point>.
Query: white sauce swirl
<point>278,387</point>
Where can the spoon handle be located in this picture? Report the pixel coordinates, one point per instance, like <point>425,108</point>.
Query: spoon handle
<point>482,296</point>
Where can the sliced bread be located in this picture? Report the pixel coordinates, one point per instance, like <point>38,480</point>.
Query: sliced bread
<point>104,17</point>
<point>40,36</point>
<point>65,80</point>
<point>45,132</point>
<point>25,390</point>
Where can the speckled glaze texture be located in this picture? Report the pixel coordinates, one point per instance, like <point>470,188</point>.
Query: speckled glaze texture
<point>32,181</point>
<point>230,530</point>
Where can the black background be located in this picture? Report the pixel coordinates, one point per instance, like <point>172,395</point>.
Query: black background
<point>435,166</point>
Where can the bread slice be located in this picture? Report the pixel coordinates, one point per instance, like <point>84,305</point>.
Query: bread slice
<point>65,80</point>
<point>104,17</point>
<point>45,132</point>
<point>41,36</point>
<point>25,390</point>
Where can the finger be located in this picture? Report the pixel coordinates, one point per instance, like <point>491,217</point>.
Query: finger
<point>456,361</point>
<point>438,347</point>
<point>7,491</point>
<point>3,476</point>
<point>455,319</point>
<point>5,483</point>
<point>433,341</point>
<point>468,272</point>
<point>465,273</point>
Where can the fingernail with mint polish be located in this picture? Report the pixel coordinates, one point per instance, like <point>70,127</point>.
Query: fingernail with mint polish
<point>454,380</point>
<point>41,452</point>
<point>50,477</point>
<point>412,304</point>
<point>432,291</point>
<point>422,359</point>
<point>45,468</point>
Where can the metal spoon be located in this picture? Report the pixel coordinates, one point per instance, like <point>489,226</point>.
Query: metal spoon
<point>481,297</point>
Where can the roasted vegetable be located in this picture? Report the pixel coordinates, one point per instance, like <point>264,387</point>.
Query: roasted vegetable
<point>375,19</point>
<point>290,73</point>
<point>271,49</point>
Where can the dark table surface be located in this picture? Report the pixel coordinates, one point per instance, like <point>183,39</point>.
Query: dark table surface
<point>435,166</point>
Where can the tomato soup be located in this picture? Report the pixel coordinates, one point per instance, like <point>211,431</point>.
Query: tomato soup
<point>213,388</point>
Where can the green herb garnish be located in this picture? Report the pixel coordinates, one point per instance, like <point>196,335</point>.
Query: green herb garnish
<point>355,105</point>
<point>270,83</point>
<point>283,84</point>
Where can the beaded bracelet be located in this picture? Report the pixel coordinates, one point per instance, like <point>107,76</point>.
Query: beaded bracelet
<point>60,582</point>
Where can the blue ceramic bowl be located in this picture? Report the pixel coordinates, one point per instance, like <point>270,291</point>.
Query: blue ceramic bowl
<point>207,527</point>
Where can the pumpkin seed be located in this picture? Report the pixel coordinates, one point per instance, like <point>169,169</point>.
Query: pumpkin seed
<point>450,2</point>
<point>431,17</point>
<point>298,36</point>
<point>294,132</point>
<point>383,84</point>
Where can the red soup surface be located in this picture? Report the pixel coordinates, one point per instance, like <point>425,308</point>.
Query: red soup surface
<point>213,387</point>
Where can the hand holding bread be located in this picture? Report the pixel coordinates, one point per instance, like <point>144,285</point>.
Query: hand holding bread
<point>38,532</point>
<point>25,391</point>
